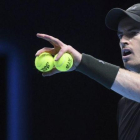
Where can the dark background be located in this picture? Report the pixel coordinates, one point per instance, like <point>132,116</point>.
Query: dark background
<point>68,105</point>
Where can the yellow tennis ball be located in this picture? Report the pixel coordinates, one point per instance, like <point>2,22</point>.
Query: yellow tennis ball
<point>44,62</point>
<point>64,63</point>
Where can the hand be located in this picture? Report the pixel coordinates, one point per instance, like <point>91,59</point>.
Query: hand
<point>59,48</point>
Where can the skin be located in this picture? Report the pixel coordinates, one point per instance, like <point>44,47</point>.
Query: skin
<point>129,34</point>
<point>127,82</point>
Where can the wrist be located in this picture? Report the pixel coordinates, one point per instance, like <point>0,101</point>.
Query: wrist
<point>77,56</point>
<point>100,71</point>
<point>78,59</point>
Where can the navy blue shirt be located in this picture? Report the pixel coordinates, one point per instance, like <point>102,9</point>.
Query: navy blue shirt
<point>128,117</point>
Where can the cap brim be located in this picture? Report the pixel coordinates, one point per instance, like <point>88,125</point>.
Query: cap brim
<point>115,15</point>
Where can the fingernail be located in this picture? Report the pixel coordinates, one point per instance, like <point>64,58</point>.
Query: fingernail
<point>56,59</point>
<point>37,34</point>
<point>36,54</point>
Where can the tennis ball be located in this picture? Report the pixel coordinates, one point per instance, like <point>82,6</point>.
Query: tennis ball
<point>64,63</point>
<point>44,62</point>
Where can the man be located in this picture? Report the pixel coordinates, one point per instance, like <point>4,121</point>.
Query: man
<point>124,82</point>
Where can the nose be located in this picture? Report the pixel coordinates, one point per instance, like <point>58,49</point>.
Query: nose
<point>124,41</point>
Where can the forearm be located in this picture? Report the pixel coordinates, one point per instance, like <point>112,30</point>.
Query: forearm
<point>127,84</point>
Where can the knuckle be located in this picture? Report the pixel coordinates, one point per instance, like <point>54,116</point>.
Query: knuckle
<point>44,47</point>
<point>57,39</point>
<point>69,46</point>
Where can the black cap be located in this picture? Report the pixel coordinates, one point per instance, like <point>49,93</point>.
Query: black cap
<point>116,14</point>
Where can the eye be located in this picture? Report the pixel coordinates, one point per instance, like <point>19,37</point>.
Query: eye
<point>132,34</point>
<point>128,34</point>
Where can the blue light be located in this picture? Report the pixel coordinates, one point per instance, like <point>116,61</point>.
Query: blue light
<point>17,103</point>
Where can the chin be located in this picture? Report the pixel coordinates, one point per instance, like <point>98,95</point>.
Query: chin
<point>132,67</point>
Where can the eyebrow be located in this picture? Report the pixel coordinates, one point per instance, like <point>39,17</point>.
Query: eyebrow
<point>129,29</point>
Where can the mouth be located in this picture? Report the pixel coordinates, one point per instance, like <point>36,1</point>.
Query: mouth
<point>126,53</point>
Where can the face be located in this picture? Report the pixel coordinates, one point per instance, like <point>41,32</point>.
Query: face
<point>129,35</point>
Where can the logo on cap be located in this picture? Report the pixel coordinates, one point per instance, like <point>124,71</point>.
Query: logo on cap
<point>101,61</point>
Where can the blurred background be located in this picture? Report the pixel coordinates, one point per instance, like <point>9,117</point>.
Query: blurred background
<point>69,105</point>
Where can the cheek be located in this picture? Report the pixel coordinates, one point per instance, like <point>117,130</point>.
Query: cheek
<point>135,43</point>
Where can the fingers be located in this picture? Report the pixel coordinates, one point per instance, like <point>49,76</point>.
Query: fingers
<point>50,73</point>
<point>45,49</point>
<point>59,48</point>
<point>60,53</point>
<point>54,41</point>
